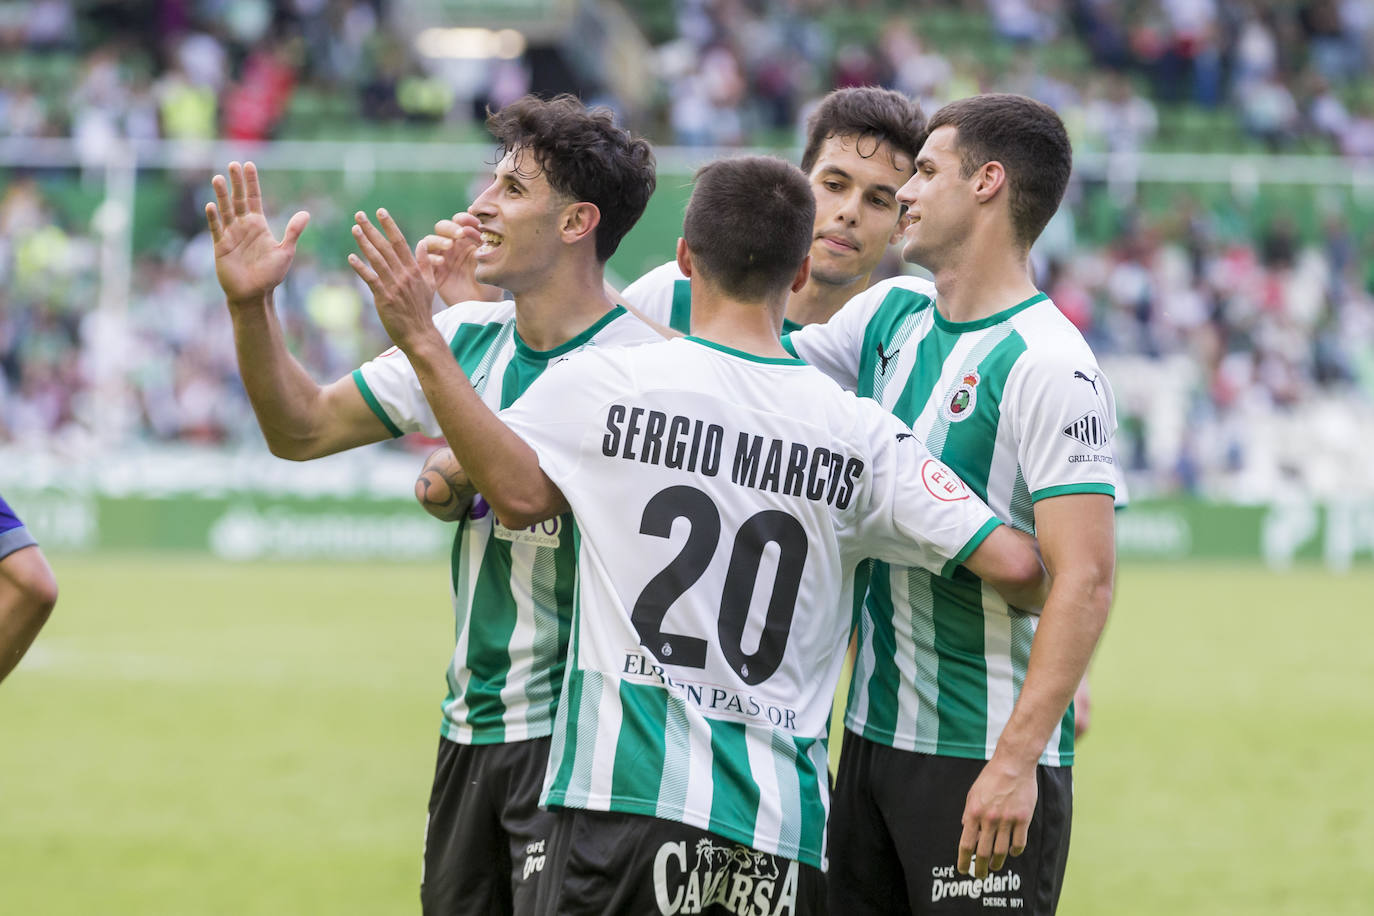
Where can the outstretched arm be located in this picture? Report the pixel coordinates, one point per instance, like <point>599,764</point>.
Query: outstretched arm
<point>501,465</point>
<point>1077,538</point>
<point>299,418</point>
<point>28,592</point>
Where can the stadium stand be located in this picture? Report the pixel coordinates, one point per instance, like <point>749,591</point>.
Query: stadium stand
<point>1236,316</point>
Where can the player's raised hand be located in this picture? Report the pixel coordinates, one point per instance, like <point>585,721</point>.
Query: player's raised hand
<point>997,816</point>
<point>249,261</point>
<point>451,249</point>
<point>402,285</point>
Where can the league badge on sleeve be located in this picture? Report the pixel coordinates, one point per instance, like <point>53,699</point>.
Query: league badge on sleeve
<point>962,400</point>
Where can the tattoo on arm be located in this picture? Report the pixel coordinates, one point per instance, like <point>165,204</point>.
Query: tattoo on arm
<point>443,488</point>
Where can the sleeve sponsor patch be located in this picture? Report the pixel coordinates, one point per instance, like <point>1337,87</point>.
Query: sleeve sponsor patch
<point>1090,430</point>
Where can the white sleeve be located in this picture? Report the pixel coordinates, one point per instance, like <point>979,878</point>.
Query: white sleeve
<point>655,294</point>
<point>836,347</point>
<point>563,408</point>
<point>388,383</point>
<point>918,512</point>
<point>1065,419</point>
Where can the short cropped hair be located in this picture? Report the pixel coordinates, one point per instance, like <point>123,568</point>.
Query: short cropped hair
<point>1030,141</point>
<point>749,224</point>
<point>583,156</point>
<point>872,116</point>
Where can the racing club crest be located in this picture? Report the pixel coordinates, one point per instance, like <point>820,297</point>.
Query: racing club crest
<point>963,399</point>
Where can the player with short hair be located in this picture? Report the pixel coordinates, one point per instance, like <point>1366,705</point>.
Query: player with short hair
<point>959,714</point>
<point>569,185</point>
<point>861,145</point>
<point>723,493</point>
<point>28,589</point>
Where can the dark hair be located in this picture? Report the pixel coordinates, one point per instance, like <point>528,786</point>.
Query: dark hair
<point>584,156</point>
<point>1030,141</point>
<point>749,224</point>
<point>872,116</point>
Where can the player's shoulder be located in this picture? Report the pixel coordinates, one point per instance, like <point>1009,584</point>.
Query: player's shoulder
<point>658,285</point>
<point>1051,340</point>
<point>476,312</point>
<point>623,328</point>
<point>916,291</point>
<point>663,275</point>
<point>901,294</point>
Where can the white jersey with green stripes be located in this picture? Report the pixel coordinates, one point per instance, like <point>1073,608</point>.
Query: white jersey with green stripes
<point>664,295</point>
<point>722,502</point>
<point>512,590</point>
<point>1017,406</point>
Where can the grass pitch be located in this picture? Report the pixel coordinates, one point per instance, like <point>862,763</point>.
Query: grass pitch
<point>195,737</point>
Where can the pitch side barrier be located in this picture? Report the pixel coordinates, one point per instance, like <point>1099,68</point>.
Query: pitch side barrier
<point>254,525</point>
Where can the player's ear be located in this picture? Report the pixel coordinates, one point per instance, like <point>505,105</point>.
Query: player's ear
<point>684,258</point>
<point>991,178</point>
<point>579,221</point>
<point>803,274</point>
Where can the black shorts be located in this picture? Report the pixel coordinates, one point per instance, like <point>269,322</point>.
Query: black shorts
<point>895,821</point>
<point>604,863</point>
<point>484,843</point>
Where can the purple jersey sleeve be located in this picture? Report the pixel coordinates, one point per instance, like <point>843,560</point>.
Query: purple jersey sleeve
<point>13,534</point>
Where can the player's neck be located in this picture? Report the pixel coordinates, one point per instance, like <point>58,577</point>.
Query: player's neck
<point>564,305</point>
<point>751,327</point>
<point>816,302</point>
<point>974,287</point>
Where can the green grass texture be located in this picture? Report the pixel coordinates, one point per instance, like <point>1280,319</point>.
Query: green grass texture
<point>196,737</point>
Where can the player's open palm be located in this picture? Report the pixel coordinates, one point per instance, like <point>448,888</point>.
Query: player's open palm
<point>249,261</point>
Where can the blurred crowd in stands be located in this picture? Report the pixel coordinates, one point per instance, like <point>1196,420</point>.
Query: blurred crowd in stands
<point>1228,337</point>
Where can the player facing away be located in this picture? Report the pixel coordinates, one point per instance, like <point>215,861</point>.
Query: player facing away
<point>861,145</point>
<point>568,186</point>
<point>28,589</point>
<point>722,494</point>
<point>959,730</point>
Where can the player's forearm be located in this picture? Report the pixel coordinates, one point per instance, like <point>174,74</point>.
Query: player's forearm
<point>499,464</point>
<point>28,592</point>
<point>285,398</point>
<point>1069,628</point>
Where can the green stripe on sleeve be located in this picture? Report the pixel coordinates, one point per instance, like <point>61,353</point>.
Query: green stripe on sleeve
<point>376,405</point>
<point>1105,489</point>
<point>978,538</point>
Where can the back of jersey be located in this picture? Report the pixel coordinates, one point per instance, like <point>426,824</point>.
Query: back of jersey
<point>722,501</point>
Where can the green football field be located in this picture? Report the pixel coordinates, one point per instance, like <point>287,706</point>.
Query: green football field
<point>195,737</point>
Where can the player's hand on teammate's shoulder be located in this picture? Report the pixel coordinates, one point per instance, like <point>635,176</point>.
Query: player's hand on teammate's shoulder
<point>249,261</point>
<point>443,488</point>
<point>450,250</point>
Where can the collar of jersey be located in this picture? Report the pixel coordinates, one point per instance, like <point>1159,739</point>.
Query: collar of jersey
<point>529,352</point>
<point>958,327</point>
<point>766,360</point>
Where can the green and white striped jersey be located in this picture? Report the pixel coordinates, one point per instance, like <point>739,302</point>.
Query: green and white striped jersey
<point>512,590</point>
<point>665,295</point>
<point>1017,406</point>
<point>722,502</point>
